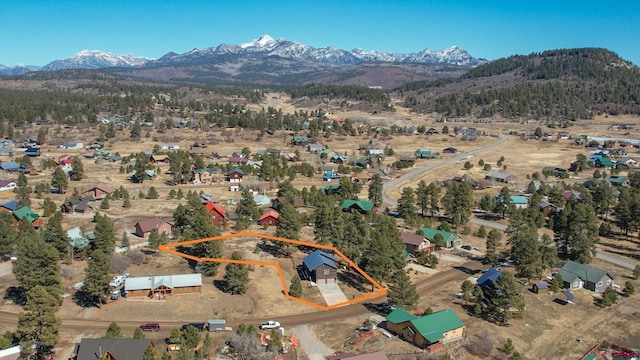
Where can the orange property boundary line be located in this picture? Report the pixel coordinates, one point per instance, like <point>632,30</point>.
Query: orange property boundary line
<point>169,248</point>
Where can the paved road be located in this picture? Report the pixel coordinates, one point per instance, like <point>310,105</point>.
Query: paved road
<point>395,182</point>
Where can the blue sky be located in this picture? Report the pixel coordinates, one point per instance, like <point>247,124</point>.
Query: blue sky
<point>38,32</point>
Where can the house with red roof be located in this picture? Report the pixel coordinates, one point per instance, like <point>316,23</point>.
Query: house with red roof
<point>270,218</point>
<point>218,217</point>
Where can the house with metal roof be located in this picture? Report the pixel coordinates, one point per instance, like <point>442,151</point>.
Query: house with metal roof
<point>431,331</point>
<point>76,238</point>
<point>270,218</point>
<point>26,212</point>
<point>500,177</point>
<point>7,185</point>
<point>450,239</point>
<point>576,276</point>
<point>10,166</point>
<point>320,267</point>
<point>520,202</point>
<point>144,227</point>
<point>149,174</point>
<point>10,205</point>
<point>360,206</point>
<point>160,286</point>
<point>112,349</point>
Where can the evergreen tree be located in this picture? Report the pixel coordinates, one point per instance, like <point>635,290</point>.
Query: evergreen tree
<point>503,201</point>
<point>236,277</point>
<point>375,190</point>
<point>59,180</point>
<point>55,235</point>
<point>135,130</point>
<point>124,241</point>
<point>104,204</point>
<point>295,289</point>
<point>347,189</point>
<point>113,331</point>
<point>126,203</point>
<point>150,353</point>
<point>152,193</point>
<point>487,202</point>
<point>422,197</point>
<point>636,271</point>
<point>577,229</point>
<point>457,203</point>
<point>549,252</point>
<point>77,169</point>
<point>467,288</point>
<point>323,223</point>
<point>508,348</point>
<point>138,333</point>
<point>402,292</point>
<point>350,235</point>
<point>23,195</point>
<point>407,203</point>
<point>8,233</point>
<point>191,336</point>
<point>493,242</point>
<point>96,280</point>
<point>557,283</point>
<point>503,296</point>
<point>38,324</point>
<point>37,263</point>
<point>433,201</point>
<point>288,227</point>
<point>247,207</point>
<point>49,207</point>
<point>105,234</point>
<point>22,180</point>
<point>609,297</point>
<point>525,248</point>
<point>629,288</point>
<point>154,239</point>
<point>384,254</point>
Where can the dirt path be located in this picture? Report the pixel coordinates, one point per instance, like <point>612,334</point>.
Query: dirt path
<point>314,348</point>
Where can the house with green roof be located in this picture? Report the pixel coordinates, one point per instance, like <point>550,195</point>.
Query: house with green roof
<point>26,212</point>
<point>300,140</point>
<point>576,276</point>
<point>431,331</point>
<point>617,180</point>
<point>361,206</point>
<point>450,239</point>
<point>363,162</point>
<point>331,189</point>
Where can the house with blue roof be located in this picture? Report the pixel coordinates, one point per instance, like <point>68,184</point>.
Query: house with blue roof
<point>320,267</point>
<point>489,278</point>
<point>330,175</point>
<point>10,166</point>
<point>10,206</point>
<point>76,238</point>
<point>520,202</point>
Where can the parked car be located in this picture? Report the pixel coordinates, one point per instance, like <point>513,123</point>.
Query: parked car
<point>384,307</point>
<point>199,326</point>
<point>269,325</point>
<point>115,295</point>
<point>150,327</point>
<point>466,247</point>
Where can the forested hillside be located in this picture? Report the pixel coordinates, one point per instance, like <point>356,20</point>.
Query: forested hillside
<point>555,85</point>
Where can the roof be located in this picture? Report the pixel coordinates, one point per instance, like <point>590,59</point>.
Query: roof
<point>147,225</point>
<point>4,183</point>
<point>490,276</point>
<point>271,213</point>
<point>433,326</point>
<point>616,179</point>
<point>170,281</point>
<point>519,199</point>
<point>498,175</point>
<point>572,270</point>
<point>12,353</point>
<point>25,211</point>
<point>235,171</point>
<point>430,233</point>
<point>362,204</point>
<point>317,258</point>
<point>11,205</point>
<point>541,285</point>
<point>399,316</point>
<point>261,199</point>
<point>10,165</point>
<point>120,348</point>
<point>412,239</point>
<point>102,187</point>
<point>76,238</point>
<point>210,206</point>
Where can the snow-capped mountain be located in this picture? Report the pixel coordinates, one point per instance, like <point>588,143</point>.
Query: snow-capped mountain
<point>17,70</point>
<point>267,46</point>
<point>96,59</point>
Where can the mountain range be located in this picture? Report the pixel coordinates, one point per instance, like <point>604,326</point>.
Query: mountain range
<point>261,60</point>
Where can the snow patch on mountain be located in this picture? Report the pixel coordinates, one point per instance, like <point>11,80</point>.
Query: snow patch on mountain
<point>96,59</point>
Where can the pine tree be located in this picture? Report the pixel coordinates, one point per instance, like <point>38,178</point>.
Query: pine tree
<point>150,353</point>
<point>113,331</point>
<point>434,191</point>
<point>289,226</point>
<point>55,235</point>
<point>104,204</point>
<point>508,348</point>
<point>49,207</point>
<point>105,235</point>
<point>295,289</point>
<point>493,242</point>
<point>549,252</point>
<point>407,203</point>
<point>138,333</point>
<point>467,288</point>
<point>22,180</point>
<point>457,203</point>
<point>557,283</point>
<point>96,280</point>
<point>23,195</point>
<point>247,207</point>
<point>152,193</point>
<point>236,277</point>
<point>525,248</point>
<point>375,190</point>
<point>323,223</point>
<point>609,297</point>
<point>384,254</point>
<point>154,239</point>
<point>59,180</point>
<point>636,271</point>
<point>124,241</point>
<point>126,203</point>
<point>402,292</point>
<point>503,296</point>
<point>77,169</point>
<point>37,262</point>
<point>629,288</point>
<point>8,233</point>
<point>39,323</point>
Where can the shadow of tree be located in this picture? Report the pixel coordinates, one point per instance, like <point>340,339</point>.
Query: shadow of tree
<point>354,280</point>
<point>16,294</point>
<point>84,299</point>
<point>220,285</point>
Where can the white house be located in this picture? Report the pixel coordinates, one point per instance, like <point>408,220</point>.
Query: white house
<point>7,185</point>
<point>72,145</point>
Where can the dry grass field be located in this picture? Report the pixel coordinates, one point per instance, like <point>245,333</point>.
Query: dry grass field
<point>548,331</point>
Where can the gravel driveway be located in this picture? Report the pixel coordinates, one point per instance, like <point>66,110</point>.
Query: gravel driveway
<point>314,348</point>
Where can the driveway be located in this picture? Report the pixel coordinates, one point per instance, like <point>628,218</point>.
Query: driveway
<point>422,269</point>
<point>331,293</point>
<point>314,348</point>
<point>6,268</point>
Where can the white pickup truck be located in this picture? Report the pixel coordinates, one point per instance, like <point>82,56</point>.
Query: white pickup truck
<point>269,325</point>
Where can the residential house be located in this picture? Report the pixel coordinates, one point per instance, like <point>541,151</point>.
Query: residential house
<point>147,176</point>
<point>111,349</point>
<point>379,153</point>
<point>218,216</point>
<point>362,178</point>
<point>98,192</point>
<point>235,175</point>
<point>144,227</point>
<point>261,200</point>
<point>630,162</point>
<point>424,153</point>
<point>11,353</point>
<point>617,180</point>
<point>7,185</point>
<point>320,267</point>
<point>234,187</point>
<point>489,278</point>
<point>157,158</point>
<point>270,218</point>
<point>407,159</point>
<point>10,206</point>
<point>204,175</point>
<point>357,206</point>
<point>604,162</point>
<point>331,189</point>
<point>277,203</point>
<point>26,212</point>
<point>548,208</point>
<point>300,140</point>
<point>10,166</point>
<point>159,286</point>
<point>450,239</point>
<point>237,161</point>
<point>6,151</point>
<point>568,194</point>
<point>338,159</point>
<point>432,331</point>
<point>363,163</point>
<point>475,184</point>
<point>554,171</point>
<point>76,238</point>
<point>414,243</point>
<point>84,205</point>
<point>576,276</point>
<point>330,175</point>
<point>315,148</point>
<point>497,176</point>
<point>519,201</point>
<point>32,152</point>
